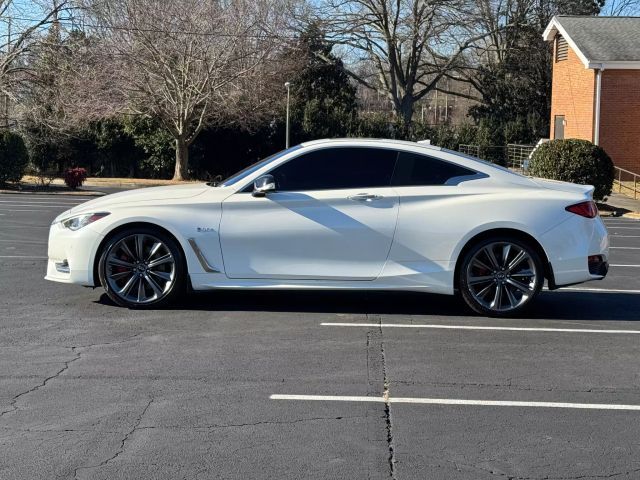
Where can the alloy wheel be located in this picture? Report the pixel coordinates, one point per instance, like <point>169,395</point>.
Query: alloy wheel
<point>140,269</point>
<point>501,276</point>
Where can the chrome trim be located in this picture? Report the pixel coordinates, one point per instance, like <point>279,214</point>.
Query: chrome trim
<point>63,266</point>
<point>364,197</point>
<point>201,258</point>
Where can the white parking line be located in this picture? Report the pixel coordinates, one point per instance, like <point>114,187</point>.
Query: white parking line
<point>474,327</point>
<point>624,248</point>
<point>39,202</point>
<point>22,210</point>
<point>455,401</point>
<point>40,206</point>
<point>599,290</point>
<point>23,241</point>
<point>31,257</point>
<point>614,227</point>
<point>625,236</point>
<point>36,198</point>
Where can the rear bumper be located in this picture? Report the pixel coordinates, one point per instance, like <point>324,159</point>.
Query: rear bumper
<point>598,273</point>
<point>598,266</point>
<point>572,247</point>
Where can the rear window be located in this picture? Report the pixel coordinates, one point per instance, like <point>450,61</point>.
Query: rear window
<point>414,169</point>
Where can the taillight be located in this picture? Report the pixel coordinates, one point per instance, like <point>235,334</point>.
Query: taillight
<point>584,209</point>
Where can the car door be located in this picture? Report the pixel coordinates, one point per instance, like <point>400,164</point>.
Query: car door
<point>332,217</point>
<point>434,206</point>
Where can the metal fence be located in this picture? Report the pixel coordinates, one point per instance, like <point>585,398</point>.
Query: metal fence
<point>518,156</point>
<point>627,182</point>
<point>512,155</point>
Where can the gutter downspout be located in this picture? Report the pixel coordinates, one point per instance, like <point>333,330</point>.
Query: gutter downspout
<point>596,122</point>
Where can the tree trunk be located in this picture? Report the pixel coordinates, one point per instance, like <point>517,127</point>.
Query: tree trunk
<point>182,159</point>
<point>406,110</point>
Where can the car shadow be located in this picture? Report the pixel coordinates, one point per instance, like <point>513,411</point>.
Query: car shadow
<point>556,305</point>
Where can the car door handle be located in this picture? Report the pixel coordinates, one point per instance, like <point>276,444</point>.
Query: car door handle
<point>365,197</point>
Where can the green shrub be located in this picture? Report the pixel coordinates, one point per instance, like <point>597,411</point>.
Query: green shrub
<point>445,136</point>
<point>576,161</point>
<point>375,126</point>
<point>466,134</point>
<point>13,157</point>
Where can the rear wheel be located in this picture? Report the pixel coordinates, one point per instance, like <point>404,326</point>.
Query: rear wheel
<point>142,267</point>
<point>500,276</point>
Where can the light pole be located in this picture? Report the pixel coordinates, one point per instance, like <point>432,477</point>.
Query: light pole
<point>287,86</point>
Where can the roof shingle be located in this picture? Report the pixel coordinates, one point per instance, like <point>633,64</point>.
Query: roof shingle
<point>604,39</point>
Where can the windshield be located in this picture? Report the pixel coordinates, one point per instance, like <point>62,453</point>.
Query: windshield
<point>236,177</point>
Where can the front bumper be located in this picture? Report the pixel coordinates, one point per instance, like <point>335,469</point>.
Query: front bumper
<point>72,255</point>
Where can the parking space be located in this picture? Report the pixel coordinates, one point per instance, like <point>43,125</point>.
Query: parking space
<point>312,385</point>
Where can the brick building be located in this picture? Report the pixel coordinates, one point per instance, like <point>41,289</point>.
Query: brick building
<point>596,83</point>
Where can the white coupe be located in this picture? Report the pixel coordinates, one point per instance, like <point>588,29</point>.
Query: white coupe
<point>340,214</point>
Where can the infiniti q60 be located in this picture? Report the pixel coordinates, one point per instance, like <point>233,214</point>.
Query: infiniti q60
<point>339,214</point>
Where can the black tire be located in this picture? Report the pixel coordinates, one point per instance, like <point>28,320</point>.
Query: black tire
<point>474,279</point>
<point>176,270</point>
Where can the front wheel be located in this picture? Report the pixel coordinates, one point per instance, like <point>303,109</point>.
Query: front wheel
<point>499,277</point>
<point>142,267</point>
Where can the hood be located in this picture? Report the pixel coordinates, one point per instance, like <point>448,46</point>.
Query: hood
<point>585,190</point>
<point>171,192</point>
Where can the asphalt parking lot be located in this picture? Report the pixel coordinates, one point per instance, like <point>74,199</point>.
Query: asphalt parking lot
<point>312,385</point>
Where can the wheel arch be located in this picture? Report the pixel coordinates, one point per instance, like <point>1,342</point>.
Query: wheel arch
<point>126,226</point>
<point>496,232</point>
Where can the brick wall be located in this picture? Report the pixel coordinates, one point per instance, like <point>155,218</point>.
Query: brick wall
<point>620,117</point>
<point>572,95</point>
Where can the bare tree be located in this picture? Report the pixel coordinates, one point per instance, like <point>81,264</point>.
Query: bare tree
<point>182,62</point>
<point>412,44</point>
<point>621,7</point>
<point>23,34</point>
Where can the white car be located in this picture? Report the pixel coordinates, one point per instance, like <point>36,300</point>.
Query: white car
<point>340,214</point>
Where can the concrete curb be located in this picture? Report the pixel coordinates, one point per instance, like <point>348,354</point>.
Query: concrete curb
<point>79,193</point>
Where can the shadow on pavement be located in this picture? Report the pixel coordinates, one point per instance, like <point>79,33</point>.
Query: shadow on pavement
<point>557,305</point>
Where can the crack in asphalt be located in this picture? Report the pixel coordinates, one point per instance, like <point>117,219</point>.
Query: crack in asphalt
<point>136,427</point>
<point>180,427</point>
<point>579,477</point>
<point>13,405</point>
<point>506,476</point>
<point>123,442</point>
<point>240,425</point>
<point>387,407</point>
<point>57,430</point>
<point>511,386</point>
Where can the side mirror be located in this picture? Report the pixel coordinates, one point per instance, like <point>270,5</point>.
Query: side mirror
<point>263,184</point>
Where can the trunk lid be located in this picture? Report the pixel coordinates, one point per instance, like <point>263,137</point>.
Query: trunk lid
<point>584,190</point>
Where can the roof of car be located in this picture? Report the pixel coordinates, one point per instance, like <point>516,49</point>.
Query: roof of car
<point>369,141</point>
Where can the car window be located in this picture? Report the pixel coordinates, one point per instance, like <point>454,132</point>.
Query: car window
<point>236,177</point>
<point>485,163</point>
<point>414,169</point>
<point>337,168</point>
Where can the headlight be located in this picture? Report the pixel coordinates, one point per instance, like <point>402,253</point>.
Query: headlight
<point>79,221</point>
